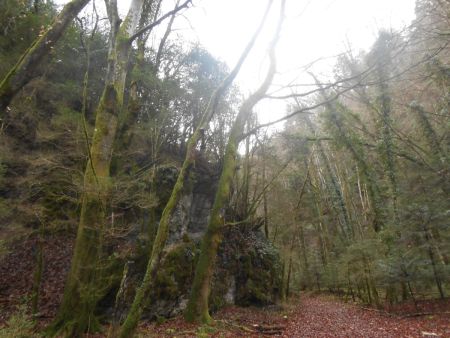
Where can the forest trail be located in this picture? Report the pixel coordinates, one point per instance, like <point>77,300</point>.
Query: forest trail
<point>312,316</point>
<point>326,317</point>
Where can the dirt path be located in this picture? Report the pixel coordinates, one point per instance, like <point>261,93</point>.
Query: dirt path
<point>311,316</point>
<point>325,317</point>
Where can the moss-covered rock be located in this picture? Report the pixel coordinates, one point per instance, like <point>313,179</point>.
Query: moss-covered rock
<point>255,265</point>
<point>248,269</point>
<point>176,272</point>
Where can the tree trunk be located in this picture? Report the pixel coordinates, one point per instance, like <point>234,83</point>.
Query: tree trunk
<point>336,191</point>
<point>131,322</point>
<point>23,70</point>
<point>197,309</point>
<point>76,313</point>
<point>265,206</point>
<point>84,284</point>
<point>132,319</point>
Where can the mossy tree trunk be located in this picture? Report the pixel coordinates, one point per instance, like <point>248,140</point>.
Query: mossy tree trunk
<point>197,309</point>
<point>23,70</point>
<point>130,115</point>
<point>84,285</point>
<point>142,294</point>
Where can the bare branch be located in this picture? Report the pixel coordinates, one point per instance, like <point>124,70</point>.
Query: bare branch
<point>298,111</point>
<point>218,93</point>
<point>161,19</point>
<point>164,39</point>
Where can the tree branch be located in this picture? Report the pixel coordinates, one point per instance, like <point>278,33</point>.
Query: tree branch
<point>296,112</point>
<point>161,19</point>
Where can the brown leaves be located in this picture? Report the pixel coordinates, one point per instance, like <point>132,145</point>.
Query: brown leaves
<point>311,316</point>
<point>17,270</point>
<point>326,317</point>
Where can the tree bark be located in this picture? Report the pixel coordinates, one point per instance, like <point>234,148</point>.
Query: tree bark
<point>84,285</point>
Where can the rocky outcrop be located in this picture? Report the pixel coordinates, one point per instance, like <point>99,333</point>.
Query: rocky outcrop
<point>248,269</point>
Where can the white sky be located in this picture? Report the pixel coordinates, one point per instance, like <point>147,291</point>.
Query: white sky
<point>313,29</point>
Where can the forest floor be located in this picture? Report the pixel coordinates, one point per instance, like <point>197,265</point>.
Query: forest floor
<point>307,315</point>
<point>314,316</point>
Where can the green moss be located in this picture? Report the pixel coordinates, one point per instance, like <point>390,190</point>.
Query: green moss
<point>175,275</point>
<point>259,274</point>
<point>84,286</point>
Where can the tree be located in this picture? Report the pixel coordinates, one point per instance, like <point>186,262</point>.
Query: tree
<point>23,70</point>
<point>198,307</point>
<point>142,293</point>
<point>84,283</point>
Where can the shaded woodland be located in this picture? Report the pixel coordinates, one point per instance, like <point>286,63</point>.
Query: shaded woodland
<point>136,181</point>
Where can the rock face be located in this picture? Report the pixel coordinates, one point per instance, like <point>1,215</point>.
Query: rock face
<point>248,269</point>
<point>192,212</point>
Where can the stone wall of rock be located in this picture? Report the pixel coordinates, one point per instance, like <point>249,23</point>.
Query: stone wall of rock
<point>248,268</point>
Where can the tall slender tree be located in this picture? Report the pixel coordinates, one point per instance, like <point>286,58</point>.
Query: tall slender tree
<point>83,286</point>
<point>143,291</point>
<point>198,305</point>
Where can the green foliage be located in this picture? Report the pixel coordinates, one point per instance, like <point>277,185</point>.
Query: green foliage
<point>20,23</point>
<point>382,153</point>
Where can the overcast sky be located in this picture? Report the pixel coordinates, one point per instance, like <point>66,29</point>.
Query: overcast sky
<point>313,29</point>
